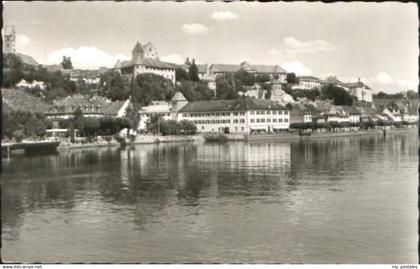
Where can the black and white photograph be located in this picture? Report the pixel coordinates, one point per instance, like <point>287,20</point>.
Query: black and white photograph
<point>201,132</point>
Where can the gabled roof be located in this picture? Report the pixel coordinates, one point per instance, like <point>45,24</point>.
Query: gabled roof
<point>178,97</point>
<point>269,69</point>
<point>112,108</point>
<point>332,80</point>
<point>225,68</point>
<point>138,47</point>
<point>155,63</point>
<point>17,100</point>
<point>350,110</point>
<point>241,104</point>
<point>26,59</point>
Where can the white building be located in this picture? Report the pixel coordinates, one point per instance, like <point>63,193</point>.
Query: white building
<point>34,84</point>
<point>163,109</point>
<point>244,115</point>
<point>144,59</point>
<point>308,83</point>
<point>360,91</point>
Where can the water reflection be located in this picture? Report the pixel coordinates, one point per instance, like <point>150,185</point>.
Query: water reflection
<point>194,190</point>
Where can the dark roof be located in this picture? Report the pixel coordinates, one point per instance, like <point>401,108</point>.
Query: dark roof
<point>309,78</point>
<point>68,104</point>
<point>18,100</point>
<point>155,63</point>
<point>333,80</point>
<point>357,84</point>
<point>26,59</point>
<point>226,68</point>
<point>304,109</point>
<point>241,104</point>
<point>269,69</point>
<point>112,108</point>
<point>350,110</point>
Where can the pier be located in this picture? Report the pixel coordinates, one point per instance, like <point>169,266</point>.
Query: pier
<point>30,146</point>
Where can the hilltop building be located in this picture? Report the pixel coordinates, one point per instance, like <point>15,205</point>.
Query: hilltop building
<point>145,59</point>
<point>357,89</point>
<point>308,83</point>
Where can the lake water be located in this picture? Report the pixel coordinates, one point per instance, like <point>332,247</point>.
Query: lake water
<point>344,200</point>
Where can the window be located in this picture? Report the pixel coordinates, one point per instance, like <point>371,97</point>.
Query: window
<point>258,112</point>
<point>242,121</point>
<point>202,127</point>
<point>286,120</point>
<point>242,128</point>
<point>268,120</point>
<point>242,113</point>
<point>235,113</point>
<point>262,120</point>
<point>280,120</point>
<point>235,121</point>
<point>269,112</point>
<point>252,120</point>
<point>274,112</point>
<point>274,120</point>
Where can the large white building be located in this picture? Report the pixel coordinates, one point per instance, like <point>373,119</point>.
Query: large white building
<point>308,83</point>
<point>357,89</point>
<point>244,115</point>
<point>145,59</point>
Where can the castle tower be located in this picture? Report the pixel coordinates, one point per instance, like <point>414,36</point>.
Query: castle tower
<point>9,39</point>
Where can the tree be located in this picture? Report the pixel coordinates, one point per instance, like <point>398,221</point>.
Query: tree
<point>193,71</point>
<point>242,77</point>
<point>225,88</point>
<point>147,87</point>
<point>262,78</point>
<point>291,78</point>
<point>195,91</point>
<point>187,127</point>
<point>66,63</point>
<point>338,94</point>
<point>181,74</point>
<point>12,70</point>
<point>113,86</point>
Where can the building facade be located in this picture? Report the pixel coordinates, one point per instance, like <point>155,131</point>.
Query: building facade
<point>308,83</point>
<point>145,59</point>
<point>244,115</point>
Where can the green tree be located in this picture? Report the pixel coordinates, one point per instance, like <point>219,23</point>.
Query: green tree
<point>113,86</point>
<point>66,63</point>
<point>147,87</point>
<point>338,94</point>
<point>193,71</point>
<point>242,77</point>
<point>194,91</point>
<point>225,88</point>
<point>291,78</point>
<point>181,74</point>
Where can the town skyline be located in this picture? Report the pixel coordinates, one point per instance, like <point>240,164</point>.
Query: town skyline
<point>341,42</point>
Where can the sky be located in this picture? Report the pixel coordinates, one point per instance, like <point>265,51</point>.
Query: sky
<point>376,42</point>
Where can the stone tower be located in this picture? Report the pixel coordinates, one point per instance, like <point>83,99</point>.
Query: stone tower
<point>9,39</point>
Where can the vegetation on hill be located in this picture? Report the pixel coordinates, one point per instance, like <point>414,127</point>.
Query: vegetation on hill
<point>338,94</point>
<point>23,124</point>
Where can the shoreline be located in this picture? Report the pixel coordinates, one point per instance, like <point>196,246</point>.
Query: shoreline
<point>151,139</point>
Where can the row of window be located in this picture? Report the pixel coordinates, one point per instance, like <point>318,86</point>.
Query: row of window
<point>270,112</point>
<point>218,114</point>
<point>217,121</point>
<point>269,120</point>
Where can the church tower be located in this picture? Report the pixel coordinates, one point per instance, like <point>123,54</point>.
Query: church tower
<point>9,39</point>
